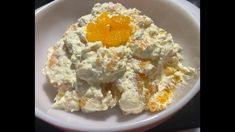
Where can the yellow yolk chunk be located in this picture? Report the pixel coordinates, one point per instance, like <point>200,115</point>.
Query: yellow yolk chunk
<point>112,31</point>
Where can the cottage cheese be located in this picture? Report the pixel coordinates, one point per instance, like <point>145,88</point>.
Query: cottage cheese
<point>136,76</point>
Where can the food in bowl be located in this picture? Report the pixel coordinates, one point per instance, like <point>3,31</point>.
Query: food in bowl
<point>115,57</point>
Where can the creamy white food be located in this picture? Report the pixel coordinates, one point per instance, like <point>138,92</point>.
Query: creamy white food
<point>139,75</point>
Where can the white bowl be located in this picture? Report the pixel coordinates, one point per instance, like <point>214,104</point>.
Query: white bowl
<point>178,17</point>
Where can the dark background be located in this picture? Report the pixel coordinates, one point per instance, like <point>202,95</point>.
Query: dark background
<point>186,118</point>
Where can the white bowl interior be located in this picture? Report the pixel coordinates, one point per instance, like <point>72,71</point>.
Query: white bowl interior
<point>50,24</point>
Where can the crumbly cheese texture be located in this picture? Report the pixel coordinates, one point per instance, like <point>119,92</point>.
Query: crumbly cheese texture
<point>138,75</point>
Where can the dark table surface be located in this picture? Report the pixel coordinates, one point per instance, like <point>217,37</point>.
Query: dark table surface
<point>186,118</point>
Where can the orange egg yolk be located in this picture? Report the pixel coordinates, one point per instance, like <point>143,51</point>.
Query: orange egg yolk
<point>112,31</point>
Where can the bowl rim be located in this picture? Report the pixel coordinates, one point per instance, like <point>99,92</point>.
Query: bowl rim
<point>193,12</point>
